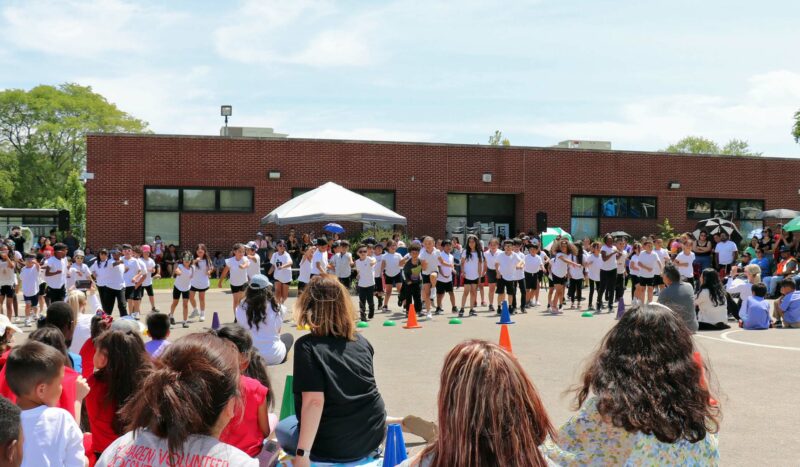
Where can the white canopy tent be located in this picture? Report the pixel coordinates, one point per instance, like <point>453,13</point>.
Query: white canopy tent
<point>331,203</point>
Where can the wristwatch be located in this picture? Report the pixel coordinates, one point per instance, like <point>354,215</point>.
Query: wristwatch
<point>302,453</point>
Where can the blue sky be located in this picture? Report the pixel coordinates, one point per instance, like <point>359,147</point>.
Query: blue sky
<point>640,74</point>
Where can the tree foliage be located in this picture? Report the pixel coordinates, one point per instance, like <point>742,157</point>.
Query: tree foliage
<point>700,145</point>
<point>43,143</point>
<point>497,139</point>
<point>796,127</point>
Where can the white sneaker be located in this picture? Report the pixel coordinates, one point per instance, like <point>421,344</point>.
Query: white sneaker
<point>136,315</point>
<point>429,315</point>
<point>202,316</point>
<point>27,322</point>
<point>194,314</point>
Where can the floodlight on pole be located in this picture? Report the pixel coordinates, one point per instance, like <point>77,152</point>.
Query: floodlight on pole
<point>226,111</point>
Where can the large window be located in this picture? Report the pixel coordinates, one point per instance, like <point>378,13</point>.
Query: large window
<point>587,211</point>
<point>464,210</point>
<point>744,212</point>
<point>163,207</point>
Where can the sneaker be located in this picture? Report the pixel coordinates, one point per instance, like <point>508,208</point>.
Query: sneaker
<point>185,324</point>
<point>27,322</point>
<point>202,316</point>
<point>455,309</point>
<point>523,310</point>
<point>195,314</point>
<point>429,316</point>
<point>172,320</point>
<point>135,315</point>
<point>491,307</point>
<point>371,314</point>
<point>155,310</point>
<point>363,316</point>
<point>472,312</point>
<point>438,311</point>
<point>536,303</point>
<point>461,313</point>
<point>779,324</point>
<point>484,304</point>
<point>385,309</point>
<point>591,308</point>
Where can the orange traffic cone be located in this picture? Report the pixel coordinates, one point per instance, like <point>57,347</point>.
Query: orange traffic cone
<point>505,339</point>
<point>412,318</point>
<point>698,360</point>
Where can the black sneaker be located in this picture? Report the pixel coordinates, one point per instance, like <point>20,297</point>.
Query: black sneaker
<point>779,324</point>
<point>363,316</point>
<point>491,307</point>
<point>512,310</point>
<point>523,310</point>
<point>172,320</point>
<point>371,314</point>
<point>456,310</point>
<point>472,312</point>
<point>438,311</point>
<point>461,313</point>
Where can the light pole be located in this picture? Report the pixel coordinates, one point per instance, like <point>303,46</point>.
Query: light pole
<point>226,111</point>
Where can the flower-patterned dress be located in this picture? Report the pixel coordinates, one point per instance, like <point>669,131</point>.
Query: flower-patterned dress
<point>588,440</point>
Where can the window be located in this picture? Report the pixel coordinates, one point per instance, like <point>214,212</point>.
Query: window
<point>236,200</point>
<point>456,205</point>
<point>705,208</point>
<point>584,227</point>
<point>632,207</point>
<point>199,200</point>
<point>162,199</point>
<point>464,210</point>
<point>164,224</point>
<point>384,198</point>
<point>584,206</point>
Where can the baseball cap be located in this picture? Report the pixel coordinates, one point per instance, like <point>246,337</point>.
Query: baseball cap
<point>251,245</point>
<point>114,251</point>
<point>6,323</point>
<point>259,281</point>
<point>126,323</point>
<point>260,234</point>
<point>145,247</point>
<point>78,253</point>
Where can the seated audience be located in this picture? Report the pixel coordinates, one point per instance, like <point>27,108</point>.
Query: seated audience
<point>158,329</point>
<point>786,268</point>
<point>659,414</point>
<point>711,302</point>
<point>475,430</point>
<point>182,406</point>
<point>340,413</point>
<point>11,437</point>
<point>755,315</point>
<point>51,434</point>
<point>787,308</point>
<point>678,296</point>
<point>741,285</point>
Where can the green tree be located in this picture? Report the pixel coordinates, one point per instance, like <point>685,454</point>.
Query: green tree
<point>497,139</point>
<point>796,127</point>
<point>43,131</point>
<point>666,231</point>
<point>700,145</point>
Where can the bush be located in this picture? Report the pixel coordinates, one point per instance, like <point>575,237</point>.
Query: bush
<point>377,234</point>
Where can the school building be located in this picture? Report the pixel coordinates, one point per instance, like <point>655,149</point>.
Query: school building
<point>215,190</point>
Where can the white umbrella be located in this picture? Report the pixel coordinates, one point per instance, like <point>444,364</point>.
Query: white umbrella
<point>779,214</point>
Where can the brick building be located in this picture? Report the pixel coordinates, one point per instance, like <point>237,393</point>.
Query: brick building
<point>192,189</point>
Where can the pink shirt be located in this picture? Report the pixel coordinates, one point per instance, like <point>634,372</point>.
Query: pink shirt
<point>243,431</point>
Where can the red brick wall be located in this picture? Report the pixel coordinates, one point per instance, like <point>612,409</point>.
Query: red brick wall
<point>542,178</point>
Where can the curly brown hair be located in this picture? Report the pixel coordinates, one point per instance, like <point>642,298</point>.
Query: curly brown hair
<point>645,378</point>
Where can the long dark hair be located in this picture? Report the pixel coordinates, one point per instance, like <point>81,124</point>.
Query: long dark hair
<point>192,383</point>
<point>128,365</point>
<point>255,301</point>
<point>53,337</point>
<point>257,366</point>
<point>645,378</point>
<point>468,253</point>
<point>202,246</point>
<point>578,253</point>
<point>712,283</point>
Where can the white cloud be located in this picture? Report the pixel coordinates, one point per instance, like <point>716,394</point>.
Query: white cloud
<point>761,115</point>
<point>82,29</point>
<point>366,133</point>
<point>307,32</point>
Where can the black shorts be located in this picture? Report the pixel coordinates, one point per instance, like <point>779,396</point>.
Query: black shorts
<point>7,291</point>
<point>300,286</point>
<point>444,287</point>
<point>148,289</point>
<point>658,280</point>
<point>426,279</point>
<point>34,300</point>
<point>555,280</point>
<point>504,286</point>
<point>238,288</point>
<point>532,280</point>
<point>471,281</point>
<point>42,289</point>
<point>345,281</point>
<point>646,281</point>
<point>634,279</point>
<point>176,294</point>
<point>491,276</point>
<point>133,293</point>
<point>196,289</point>
<point>394,280</point>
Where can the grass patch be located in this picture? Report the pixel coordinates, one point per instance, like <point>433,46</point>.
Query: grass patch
<point>166,283</point>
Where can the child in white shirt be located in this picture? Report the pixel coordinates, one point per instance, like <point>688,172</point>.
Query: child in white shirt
<point>30,288</point>
<point>365,266</point>
<point>444,281</point>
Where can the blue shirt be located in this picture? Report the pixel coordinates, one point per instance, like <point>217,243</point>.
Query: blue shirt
<point>790,305</point>
<point>764,264</point>
<point>756,314</point>
<point>77,361</point>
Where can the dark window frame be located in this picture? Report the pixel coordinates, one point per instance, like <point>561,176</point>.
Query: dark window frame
<point>511,220</point>
<point>217,208</point>
<point>691,201</point>
<point>599,207</point>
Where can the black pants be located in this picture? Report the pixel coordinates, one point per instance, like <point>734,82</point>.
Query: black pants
<point>592,286</point>
<point>411,292</point>
<point>608,281</point>
<point>620,285</point>
<point>366,295</point>
<point>575,292</point>
<point>520,285</point>
<point>107,298</point>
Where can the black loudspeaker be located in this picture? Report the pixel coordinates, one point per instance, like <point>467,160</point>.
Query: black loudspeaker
<point>541,221</point>
<point>63,220</point>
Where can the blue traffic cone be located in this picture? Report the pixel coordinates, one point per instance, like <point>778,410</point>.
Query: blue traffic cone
<point>505,316</point>
<point>620,308</point>
<point>215,321</point>
<point>395,448</point>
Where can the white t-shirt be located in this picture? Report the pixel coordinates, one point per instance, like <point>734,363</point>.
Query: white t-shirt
<point>507,266</point>
<point>623,255</point>
<point>56,265</point>
<point>341,264</point>
<point>611,263</point>
<point>491,258</point>
<point>200,279</point>
<point>576,272</point>
<point>471,266</point>
<point>533,263</point>
<point>708,312</point>
<point>376,270</point>
<point>183,282</point>
<point>8,274</point>
<point>254,267</point>
<point>77,272</point>
<point>663,255</point>
<point>149,266</point>
<point>282,275</point>
<point>132,268</point>
<point>112,276</point>
<point>305,271</point>
<point>320,257</point>
<point>83,331</point>
<point>51,438</point>
<point>366,272</point>
<point>687,271</point>
<point>593,263</point>
<point>30,281</point>
<point>431,261</point>
<point>266,338</point>
<point>650,260</point>
<point>445,272</point>
<point>198,449</point>
<point>561,268</point>
<point>634,265</point>
<point>726,250</point>
<point>238,275</point>
<point>391,263</point>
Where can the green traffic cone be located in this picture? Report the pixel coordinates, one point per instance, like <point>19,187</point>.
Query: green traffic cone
<point>287,405</point>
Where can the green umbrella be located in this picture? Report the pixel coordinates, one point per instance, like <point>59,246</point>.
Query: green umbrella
<point>549,235</point>
<point>793,225</point>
